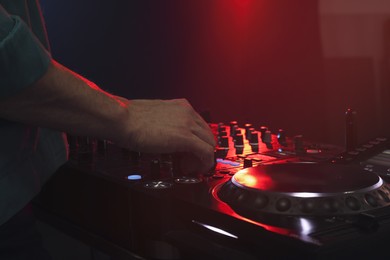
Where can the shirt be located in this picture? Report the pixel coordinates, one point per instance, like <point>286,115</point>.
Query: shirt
<point>28,155</point>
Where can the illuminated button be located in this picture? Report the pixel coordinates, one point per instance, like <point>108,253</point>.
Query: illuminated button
<point>352,203</point>
<point>134,177</point>
<point>227,162</point>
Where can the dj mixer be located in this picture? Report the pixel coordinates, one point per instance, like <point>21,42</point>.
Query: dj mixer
<point>269,196</point>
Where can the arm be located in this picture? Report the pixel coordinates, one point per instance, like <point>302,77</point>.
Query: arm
<point>35,90</point>
<point>65,101</point>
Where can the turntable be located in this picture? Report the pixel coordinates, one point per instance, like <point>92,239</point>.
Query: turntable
<point>274,197</point>
<point>304,189</point>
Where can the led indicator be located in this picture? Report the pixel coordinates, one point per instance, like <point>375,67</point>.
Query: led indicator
<point>134,177</point>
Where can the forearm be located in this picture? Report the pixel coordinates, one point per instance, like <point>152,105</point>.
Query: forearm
<point>65,101</point>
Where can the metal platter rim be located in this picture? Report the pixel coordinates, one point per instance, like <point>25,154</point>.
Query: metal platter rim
<point>309,194</point>
<point>312,194</point>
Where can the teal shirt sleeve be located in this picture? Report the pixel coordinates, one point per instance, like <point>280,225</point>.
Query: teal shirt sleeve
<point>23,59</point>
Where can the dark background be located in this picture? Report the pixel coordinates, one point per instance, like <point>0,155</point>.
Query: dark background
<point>256,61</point>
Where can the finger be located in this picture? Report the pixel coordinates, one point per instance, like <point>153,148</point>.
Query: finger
<point>202,150</point>
<point>205,135</point>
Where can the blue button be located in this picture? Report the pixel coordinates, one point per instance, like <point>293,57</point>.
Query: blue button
<point>134,177</point>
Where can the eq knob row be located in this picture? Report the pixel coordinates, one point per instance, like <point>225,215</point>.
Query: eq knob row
<point>250,134</point>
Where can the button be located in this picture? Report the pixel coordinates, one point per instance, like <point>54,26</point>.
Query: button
<point>331,205</point>
<point>260,201</point>
<point>134,177</point>
<point>352,203</point>
<point>307,205</point>
<point>283,204</point>
<point>371,200</point>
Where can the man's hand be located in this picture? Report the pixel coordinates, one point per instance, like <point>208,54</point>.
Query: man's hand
<point>65,101</point>
<point>169,126</point>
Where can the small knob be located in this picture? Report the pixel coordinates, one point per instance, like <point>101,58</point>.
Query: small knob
<point>263,129</point>
<point>222,133</point>
<point>221,128</point>
<point>254,138</point>
<point>239,140</point>
<point>281,137</point>
<point>247,132</point>
<point>267,137</point>
<point>224,141</point>
<point>234,130</point>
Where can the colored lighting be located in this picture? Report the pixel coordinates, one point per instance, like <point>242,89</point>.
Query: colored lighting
<point>134,177</point>
<point>306,226</point>
<point>215,229</point>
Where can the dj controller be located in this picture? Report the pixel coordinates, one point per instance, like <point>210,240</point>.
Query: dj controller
<point>269,196</point>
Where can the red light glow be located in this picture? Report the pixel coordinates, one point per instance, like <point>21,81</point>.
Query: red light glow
<point>260,181</point>
<point>225,208</point>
